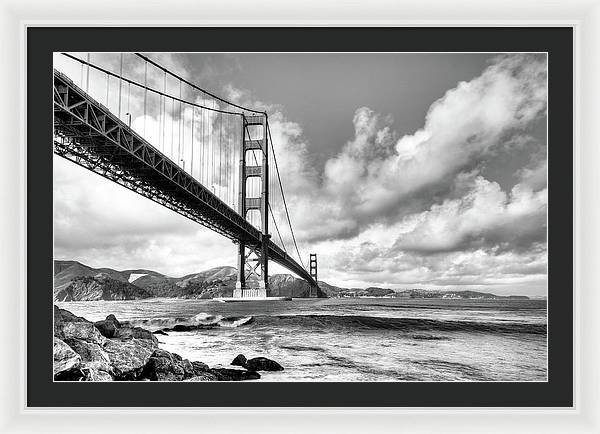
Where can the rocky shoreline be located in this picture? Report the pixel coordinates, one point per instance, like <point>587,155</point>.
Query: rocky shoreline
<point>109,350</point>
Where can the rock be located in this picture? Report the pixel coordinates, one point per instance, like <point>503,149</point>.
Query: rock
<point>65,359</point>
<point>163,367</point>
<point>137,333</point>
<point>188,368</point>
<point>257,363</point>
<point>109,326</point>
<point>166,366</point>
<point>183,328</point>
<point>199,367</point>
<point>240,360</point>
<point>85,331</point>
<point>114,319</point>
<point>203,376</point>
<point>74,374</point>
<point>263,364</point>
<point>128,357</point>
<point>95,363</point>
<point>96,371</point>
<point>89,352</point>
<point>62,315</point>
<point>225,374</point>
<point>160,332</point>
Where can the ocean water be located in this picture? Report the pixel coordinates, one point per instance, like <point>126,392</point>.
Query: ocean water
<point>366,339</point>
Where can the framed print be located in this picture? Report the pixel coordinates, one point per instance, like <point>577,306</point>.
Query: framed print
<point>341,218</point>
<point>444,219</point>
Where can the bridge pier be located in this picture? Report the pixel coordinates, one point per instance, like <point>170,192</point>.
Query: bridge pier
<point>253,260</point>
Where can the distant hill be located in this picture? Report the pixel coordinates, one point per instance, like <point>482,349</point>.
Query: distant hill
<point>286,285</point>
<point>428,293</point>
<point>99,287</point>
<point>336,291</point>
<point>74,281</point>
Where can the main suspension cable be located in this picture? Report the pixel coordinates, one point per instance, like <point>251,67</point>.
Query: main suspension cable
<point>90,65</point>
<point>212,95</point>
<point>283,196</point>
<point>269,203</point>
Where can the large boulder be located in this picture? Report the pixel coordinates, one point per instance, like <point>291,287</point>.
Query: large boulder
<point>256,363</point>
<point>203,376</point>
<point>62,315</point>
<point>108,327</point>
<point>137,333</point>
<point>65,359</point>
<point>163,366</point>
<point>183,328</point>
<point>95,363</point>
<point>225,374</point>
<point>84,331</point>
<point>127,357</point>
<point>69,326</point>
<point>199,367</point>
<point>166,366</point>
<point>96,371</point>
<point>114,319</point>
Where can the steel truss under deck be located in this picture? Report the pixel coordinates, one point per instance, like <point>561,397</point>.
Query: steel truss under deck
<point>88,134</point>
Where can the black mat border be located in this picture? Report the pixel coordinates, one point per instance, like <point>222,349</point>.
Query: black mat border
<point>42,41</point>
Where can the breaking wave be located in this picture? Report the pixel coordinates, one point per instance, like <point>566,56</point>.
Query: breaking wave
<point>417,325</point>
<point>400,324</point>
<point>201,320</point>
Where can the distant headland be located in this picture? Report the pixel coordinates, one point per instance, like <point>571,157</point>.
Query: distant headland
<point>74,281</point>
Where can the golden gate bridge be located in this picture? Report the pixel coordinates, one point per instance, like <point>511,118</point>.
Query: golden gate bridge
<point>200,155</point>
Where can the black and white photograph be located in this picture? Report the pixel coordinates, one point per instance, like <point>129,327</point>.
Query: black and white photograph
<point>300,216</point>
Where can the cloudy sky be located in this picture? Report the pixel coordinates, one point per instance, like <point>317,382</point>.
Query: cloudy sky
<point>400,170</point>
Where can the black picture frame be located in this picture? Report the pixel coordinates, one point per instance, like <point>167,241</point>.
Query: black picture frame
<point>43,41</point>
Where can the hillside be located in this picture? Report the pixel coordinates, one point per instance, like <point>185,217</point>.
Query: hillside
<point>286,285</point>
<point>428,293</point>
<point>99,287</point>
<point>336,291</point>
<point>74,281</point>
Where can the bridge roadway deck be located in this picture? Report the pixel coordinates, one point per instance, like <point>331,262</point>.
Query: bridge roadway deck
<point>88,134</point>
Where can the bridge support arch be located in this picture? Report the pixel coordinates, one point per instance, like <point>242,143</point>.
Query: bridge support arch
<point>253,259</point>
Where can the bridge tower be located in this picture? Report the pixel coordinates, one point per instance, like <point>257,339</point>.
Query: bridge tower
<point>253,271</point>
<point>313,273</point>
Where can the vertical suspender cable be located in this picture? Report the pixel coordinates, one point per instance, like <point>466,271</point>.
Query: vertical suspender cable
<point>183,138</point>
<point>201,175</point>
<point>283,197</point>
<point>120,84</point>
<point>87,80</point>
<point>164,110</point>
<point>179,129</point>
<point>229,153</point>
<point>220,156</point>
<point>160,122</point>
<point>192,159</point>
<point>172,125</point>
<point>212,148</point>
<point>107,87</point>
<point>145,93</point>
